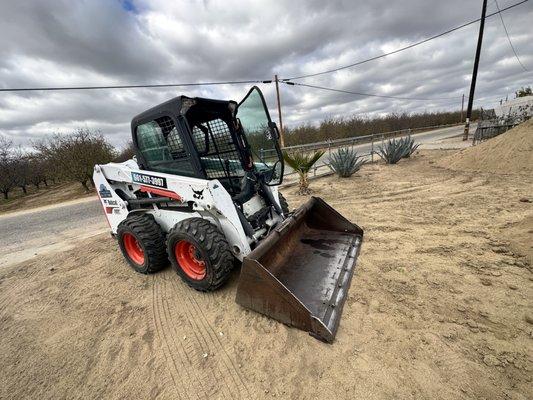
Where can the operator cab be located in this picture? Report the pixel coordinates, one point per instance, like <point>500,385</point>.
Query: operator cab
<point>212,139</point>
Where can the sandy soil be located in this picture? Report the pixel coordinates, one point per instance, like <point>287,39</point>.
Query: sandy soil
<point>441,307</point>
<point>43,196</point>
<point>510,152</point>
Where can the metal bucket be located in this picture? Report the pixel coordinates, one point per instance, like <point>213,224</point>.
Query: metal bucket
<point>300,274</point>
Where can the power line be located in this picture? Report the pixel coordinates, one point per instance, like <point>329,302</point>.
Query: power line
<point>406,47</point>
<point>369,94</point>
<point>508,37</point>
<point>131,86</point>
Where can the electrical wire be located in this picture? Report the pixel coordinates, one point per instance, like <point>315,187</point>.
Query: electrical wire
<point>508,37</point>
<point>403,48</point>
<point>369,94</point>
<point>132,86</point>
<point>269,81</point>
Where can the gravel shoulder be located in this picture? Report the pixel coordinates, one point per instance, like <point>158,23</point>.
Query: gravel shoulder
<point>440,307</point>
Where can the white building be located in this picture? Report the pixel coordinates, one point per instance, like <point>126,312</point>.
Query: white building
<point>521,106</point>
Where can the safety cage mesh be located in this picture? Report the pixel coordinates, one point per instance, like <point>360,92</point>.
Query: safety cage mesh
<point>218,152</point>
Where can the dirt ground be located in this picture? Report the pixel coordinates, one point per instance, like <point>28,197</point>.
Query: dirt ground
<point>441,307</point>
<point>43,196</point>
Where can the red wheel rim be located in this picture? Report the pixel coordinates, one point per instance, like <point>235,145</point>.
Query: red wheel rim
<point>189,259</point>
<point>133,248</point>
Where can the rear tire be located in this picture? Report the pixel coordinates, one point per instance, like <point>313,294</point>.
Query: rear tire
<point>142,243</point>
<point>284,204</point>
<point>200,254</point>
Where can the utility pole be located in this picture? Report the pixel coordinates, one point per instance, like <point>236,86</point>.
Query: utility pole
<point>474,72</point>
<point>281,133</point>
<point>462,107</point>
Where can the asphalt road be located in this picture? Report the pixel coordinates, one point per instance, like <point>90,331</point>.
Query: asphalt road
<point>365,148</point>
<point>424,137</point>
<point>25,234</point>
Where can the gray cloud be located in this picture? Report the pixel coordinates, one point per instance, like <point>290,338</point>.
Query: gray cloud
<point>104,42</point>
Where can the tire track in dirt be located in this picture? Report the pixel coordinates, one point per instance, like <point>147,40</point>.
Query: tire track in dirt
<point>409,194</point>
<point>9,299</point>
<point>190,355</point>
<point>406,190</point>
<point>173,370</point>
<point>216,343</point>
<point>181,291</point>
<point>198,363</point>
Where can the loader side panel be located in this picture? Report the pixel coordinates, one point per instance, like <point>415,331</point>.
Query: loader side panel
<point>114,207</point>
<point>300,274</point>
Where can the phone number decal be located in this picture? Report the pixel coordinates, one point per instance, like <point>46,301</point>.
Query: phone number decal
<point>156,181</point>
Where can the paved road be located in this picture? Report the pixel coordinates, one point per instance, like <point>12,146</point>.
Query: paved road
<point>25,234</point>
<point>425,137</point>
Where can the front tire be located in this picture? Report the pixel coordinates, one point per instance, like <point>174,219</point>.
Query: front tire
<point>200,254</point>
<point>142,243</point>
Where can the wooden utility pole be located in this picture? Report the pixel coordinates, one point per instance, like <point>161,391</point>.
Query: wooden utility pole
<point>462,107</point>
<point>281,133</point>
<point>474,72</point>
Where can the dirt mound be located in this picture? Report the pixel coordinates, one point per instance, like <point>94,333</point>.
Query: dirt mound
<point>509,153</point>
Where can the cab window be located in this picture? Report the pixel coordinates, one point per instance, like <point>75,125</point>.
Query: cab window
<point>162,147</point>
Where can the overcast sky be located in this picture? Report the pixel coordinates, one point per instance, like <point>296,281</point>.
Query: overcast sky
<point>112,42</point>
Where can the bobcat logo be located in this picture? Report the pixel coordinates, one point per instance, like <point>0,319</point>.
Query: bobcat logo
<point>198,194</point>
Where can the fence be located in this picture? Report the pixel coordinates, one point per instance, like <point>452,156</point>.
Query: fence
<point>494,126</point>
<point>488,129</point>
<point>373,140</point>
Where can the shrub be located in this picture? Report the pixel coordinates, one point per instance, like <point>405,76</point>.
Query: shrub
<point>302,163</point>
<point>392,151</point>
<point>345,162</point>
<point>409,146</point>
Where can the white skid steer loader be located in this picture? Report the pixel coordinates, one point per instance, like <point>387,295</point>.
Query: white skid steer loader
<point>202,193</point>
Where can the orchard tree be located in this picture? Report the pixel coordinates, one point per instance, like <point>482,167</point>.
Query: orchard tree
<point>74,155</point>
<point>8,176</point>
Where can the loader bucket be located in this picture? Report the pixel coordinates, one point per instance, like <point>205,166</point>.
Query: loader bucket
<point>300,274</point>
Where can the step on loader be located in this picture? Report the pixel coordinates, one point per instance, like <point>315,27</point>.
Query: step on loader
<point>202,193</point>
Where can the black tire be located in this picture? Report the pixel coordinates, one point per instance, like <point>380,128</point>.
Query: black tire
<point>149,237</point>
<point>211,248</point>
<point>284,204</point>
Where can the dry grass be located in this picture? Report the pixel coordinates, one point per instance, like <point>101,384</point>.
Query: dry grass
<point>43,196</point>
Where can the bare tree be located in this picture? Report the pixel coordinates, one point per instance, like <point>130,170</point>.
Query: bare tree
<point>8,169</point>
<point>38,170</point>
<point>75,155</point>
<point>23,170</point>
<point>126,153</point>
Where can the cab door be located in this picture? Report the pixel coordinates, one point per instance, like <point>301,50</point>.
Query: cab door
<point>261,135</point>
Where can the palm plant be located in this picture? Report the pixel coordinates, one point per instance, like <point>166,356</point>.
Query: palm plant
<point>302,164</point>
<point>345,162</point>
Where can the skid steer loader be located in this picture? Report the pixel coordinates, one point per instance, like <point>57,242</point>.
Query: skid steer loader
<point>201,193</point>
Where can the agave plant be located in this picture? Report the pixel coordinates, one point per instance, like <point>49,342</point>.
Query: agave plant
<point>345,162</point>
<point>392,151</point>
<point>409,146</point>
<point>302,164</point>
